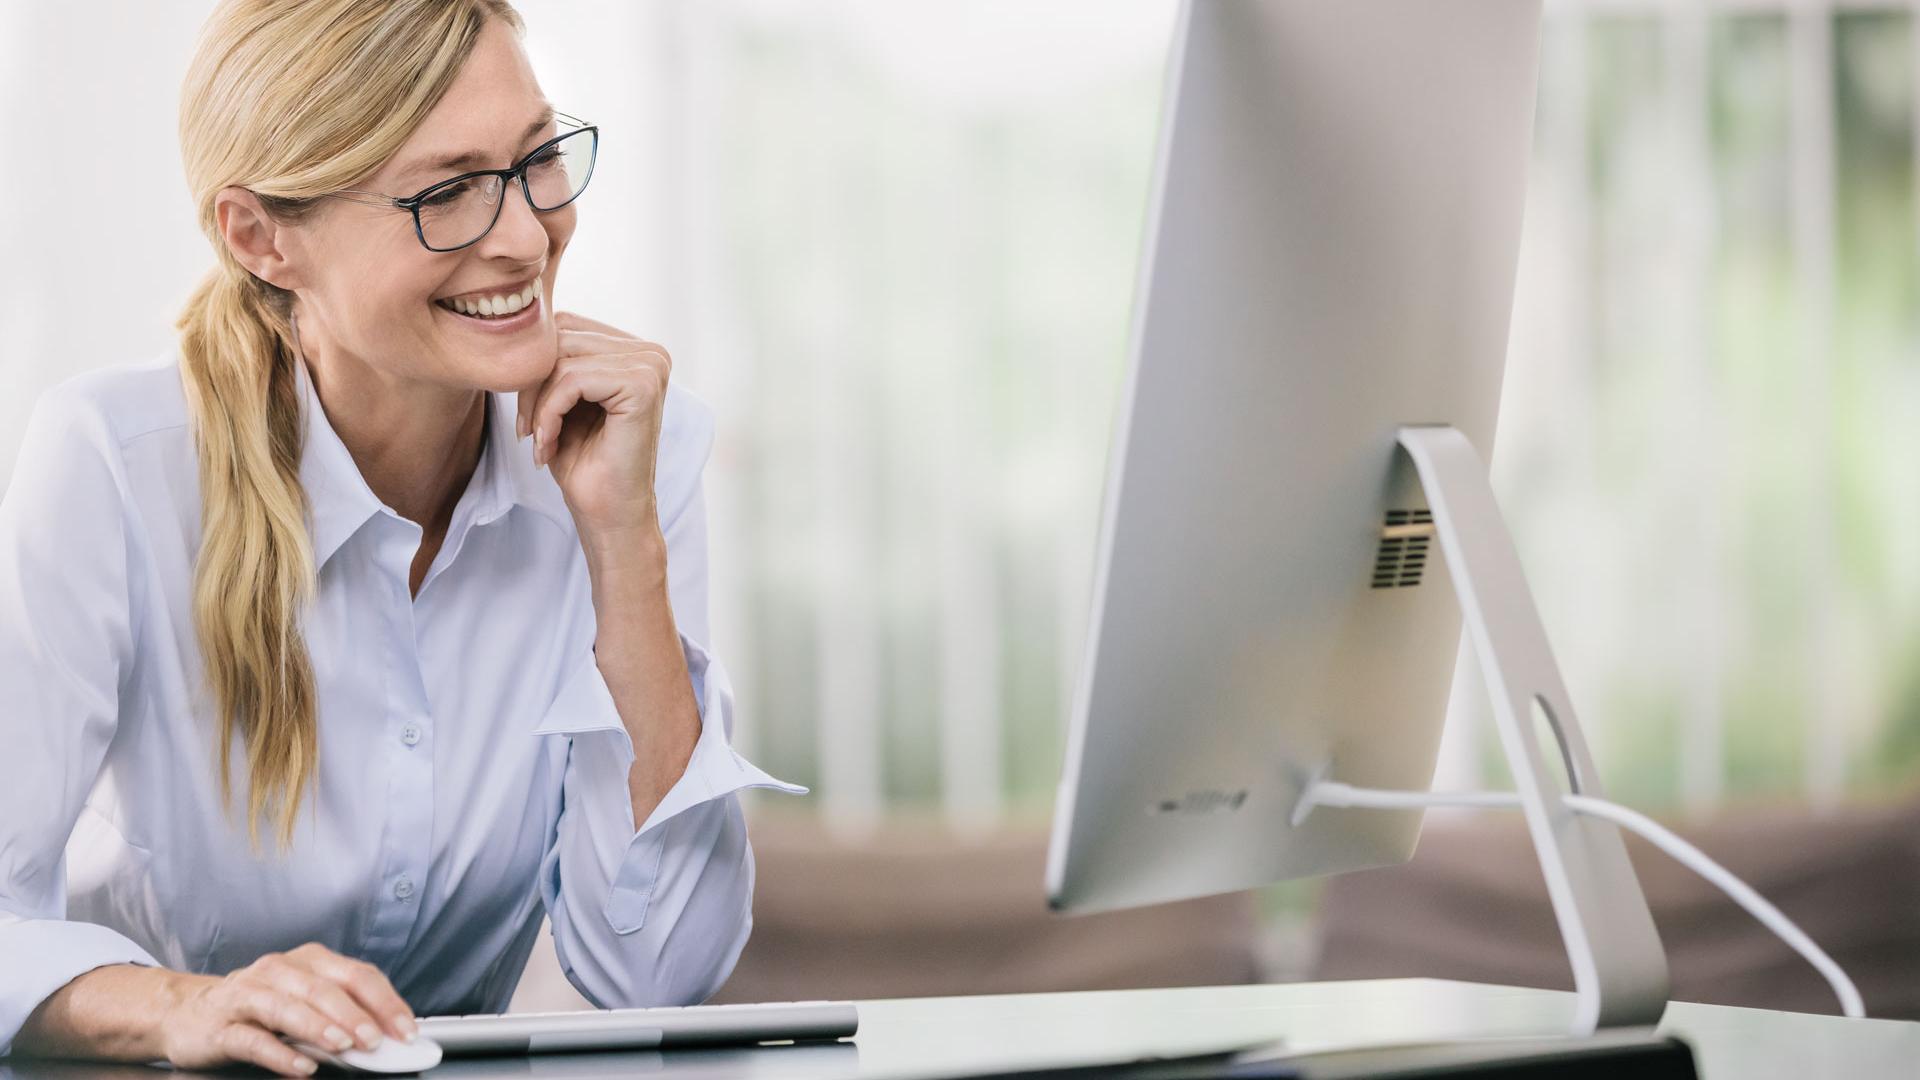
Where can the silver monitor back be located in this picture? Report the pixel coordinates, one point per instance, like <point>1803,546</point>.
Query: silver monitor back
<point>1330,255</point>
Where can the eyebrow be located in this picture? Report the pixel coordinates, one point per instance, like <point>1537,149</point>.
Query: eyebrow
<point>472,158</point>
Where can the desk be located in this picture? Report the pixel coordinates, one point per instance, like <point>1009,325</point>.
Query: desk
<point>929,1037</point>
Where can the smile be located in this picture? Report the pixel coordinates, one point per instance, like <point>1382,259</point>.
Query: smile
<point>499,313</point>
<point>496,306</point>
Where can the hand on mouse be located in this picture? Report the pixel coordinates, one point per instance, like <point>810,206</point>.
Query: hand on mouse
<point>309,993</point>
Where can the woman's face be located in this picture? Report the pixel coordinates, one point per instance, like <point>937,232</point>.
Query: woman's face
<point>369,290</point>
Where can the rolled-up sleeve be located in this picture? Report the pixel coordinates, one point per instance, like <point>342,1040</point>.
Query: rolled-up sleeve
<point>654,914</point>
<point>65,638</point>
<point>658,914</point>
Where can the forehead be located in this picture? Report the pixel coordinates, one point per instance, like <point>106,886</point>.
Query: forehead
<point>486,112</point>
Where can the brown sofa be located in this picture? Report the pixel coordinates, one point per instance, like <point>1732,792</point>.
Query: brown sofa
<point>914,912</point>
<point>1472,905</point>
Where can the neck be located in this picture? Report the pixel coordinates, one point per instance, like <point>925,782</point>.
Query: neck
<point>416,444</point>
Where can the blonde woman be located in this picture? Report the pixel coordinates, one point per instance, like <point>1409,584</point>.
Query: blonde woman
<point>387,555</point>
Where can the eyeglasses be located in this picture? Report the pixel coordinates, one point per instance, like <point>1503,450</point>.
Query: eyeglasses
<point>457,213</point>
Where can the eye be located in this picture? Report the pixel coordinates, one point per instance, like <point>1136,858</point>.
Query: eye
<point>470,191</point>
<point>545,157</point>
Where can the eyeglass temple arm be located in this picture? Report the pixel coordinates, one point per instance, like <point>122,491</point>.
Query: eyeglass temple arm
<point>378,198</point>
<point>371,198</point>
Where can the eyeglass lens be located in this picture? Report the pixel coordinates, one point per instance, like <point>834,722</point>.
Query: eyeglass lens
<point>460,213</point>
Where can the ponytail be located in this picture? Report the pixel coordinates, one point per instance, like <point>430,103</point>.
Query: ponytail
<point>255,569</point>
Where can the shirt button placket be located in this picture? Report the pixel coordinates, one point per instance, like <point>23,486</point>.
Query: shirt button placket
<point>408,830</point>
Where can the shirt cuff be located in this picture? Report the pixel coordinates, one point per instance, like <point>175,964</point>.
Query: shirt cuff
<point>631,858</point>
<point>43,955</point>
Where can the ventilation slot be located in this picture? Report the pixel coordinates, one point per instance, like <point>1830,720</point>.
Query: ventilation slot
<point>1404,541</point>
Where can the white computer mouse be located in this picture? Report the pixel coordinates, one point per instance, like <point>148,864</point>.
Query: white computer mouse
<point>391,1056</point>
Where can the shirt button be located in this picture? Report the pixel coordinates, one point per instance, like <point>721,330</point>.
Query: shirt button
<point>410,734</point>
<point>404,887</point>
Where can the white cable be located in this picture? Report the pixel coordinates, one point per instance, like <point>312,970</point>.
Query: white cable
<point>1334,793</point>
<point>1330,793</point>
<point>1742,893</point>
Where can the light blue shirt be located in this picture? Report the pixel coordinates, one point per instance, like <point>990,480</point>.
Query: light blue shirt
<point>472,765</point>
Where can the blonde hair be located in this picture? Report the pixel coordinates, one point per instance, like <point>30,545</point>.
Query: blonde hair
<point>291,99</point>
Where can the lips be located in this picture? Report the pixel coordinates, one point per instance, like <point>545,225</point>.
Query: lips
<point>528,319</point>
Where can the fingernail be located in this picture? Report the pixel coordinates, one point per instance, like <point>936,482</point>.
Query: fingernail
<point>305,1065</point>
<point>369,1035</point>
<point>338,1037</point>
<point>409,1028</point>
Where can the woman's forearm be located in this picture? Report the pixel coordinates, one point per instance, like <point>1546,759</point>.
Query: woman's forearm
<point>107,1014</point>
<point>637,649</point>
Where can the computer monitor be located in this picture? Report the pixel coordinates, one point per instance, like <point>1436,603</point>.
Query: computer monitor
<point>1319,335</point>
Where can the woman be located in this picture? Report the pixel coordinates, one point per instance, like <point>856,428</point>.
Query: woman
<point>424,557</point>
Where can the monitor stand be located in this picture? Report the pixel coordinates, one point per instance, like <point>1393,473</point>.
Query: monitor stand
<point>1619,965</point>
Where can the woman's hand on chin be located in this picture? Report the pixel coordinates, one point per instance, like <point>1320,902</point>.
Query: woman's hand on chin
<point>595,422</point>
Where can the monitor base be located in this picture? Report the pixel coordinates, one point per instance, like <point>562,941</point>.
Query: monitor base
<point>1619,965</point>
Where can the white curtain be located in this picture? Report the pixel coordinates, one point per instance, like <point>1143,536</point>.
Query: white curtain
<point>893,243</point>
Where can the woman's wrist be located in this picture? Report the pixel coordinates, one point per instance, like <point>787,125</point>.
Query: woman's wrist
<point>636,556</point>
<point>111,1013</point>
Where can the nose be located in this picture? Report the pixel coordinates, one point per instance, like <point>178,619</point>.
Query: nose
<point>519,233</point>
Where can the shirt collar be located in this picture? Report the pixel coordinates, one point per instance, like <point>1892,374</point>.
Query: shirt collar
<point>341,501</point>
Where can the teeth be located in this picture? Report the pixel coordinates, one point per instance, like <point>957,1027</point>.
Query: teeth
<point>496,306</point>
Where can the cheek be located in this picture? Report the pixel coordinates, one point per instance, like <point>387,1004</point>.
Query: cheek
<point>390,291</point>
<point>403,305</point>
<point>559,226</point>
<point>377,282</point>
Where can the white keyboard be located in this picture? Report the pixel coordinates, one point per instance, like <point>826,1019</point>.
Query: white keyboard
<point>641,1029</point>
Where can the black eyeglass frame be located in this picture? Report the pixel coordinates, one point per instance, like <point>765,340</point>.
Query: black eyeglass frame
<point>517,171</point>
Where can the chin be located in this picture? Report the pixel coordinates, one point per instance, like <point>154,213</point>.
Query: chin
<point>500,367</point>
<point>510,372</point>
<point>504,355</point>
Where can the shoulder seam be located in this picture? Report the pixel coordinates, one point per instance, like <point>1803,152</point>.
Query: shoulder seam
<point>129,440</point>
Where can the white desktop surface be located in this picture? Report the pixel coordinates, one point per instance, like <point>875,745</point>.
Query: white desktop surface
<point>933,1037</point>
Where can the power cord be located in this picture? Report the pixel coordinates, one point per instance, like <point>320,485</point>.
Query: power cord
<point>1331,793</point>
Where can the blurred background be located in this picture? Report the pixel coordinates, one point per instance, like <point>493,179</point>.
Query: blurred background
<point>893,243</point>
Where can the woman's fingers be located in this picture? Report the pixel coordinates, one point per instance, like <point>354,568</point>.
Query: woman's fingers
<point>575,345</point>
<point>566,390</point>
<point>579,336</point>
<point>617,388</point>
<point>567,320</point>
<point>584,342</point>
<point>245,1042</point>
<point>293,1014</point>
<point>561,385</point>
<point>341,1012</point>
<point>367,985</point>
<point>594,343</point>
<point>329,997</point>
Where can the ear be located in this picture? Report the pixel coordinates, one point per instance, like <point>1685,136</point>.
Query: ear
<point>257,241</point>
